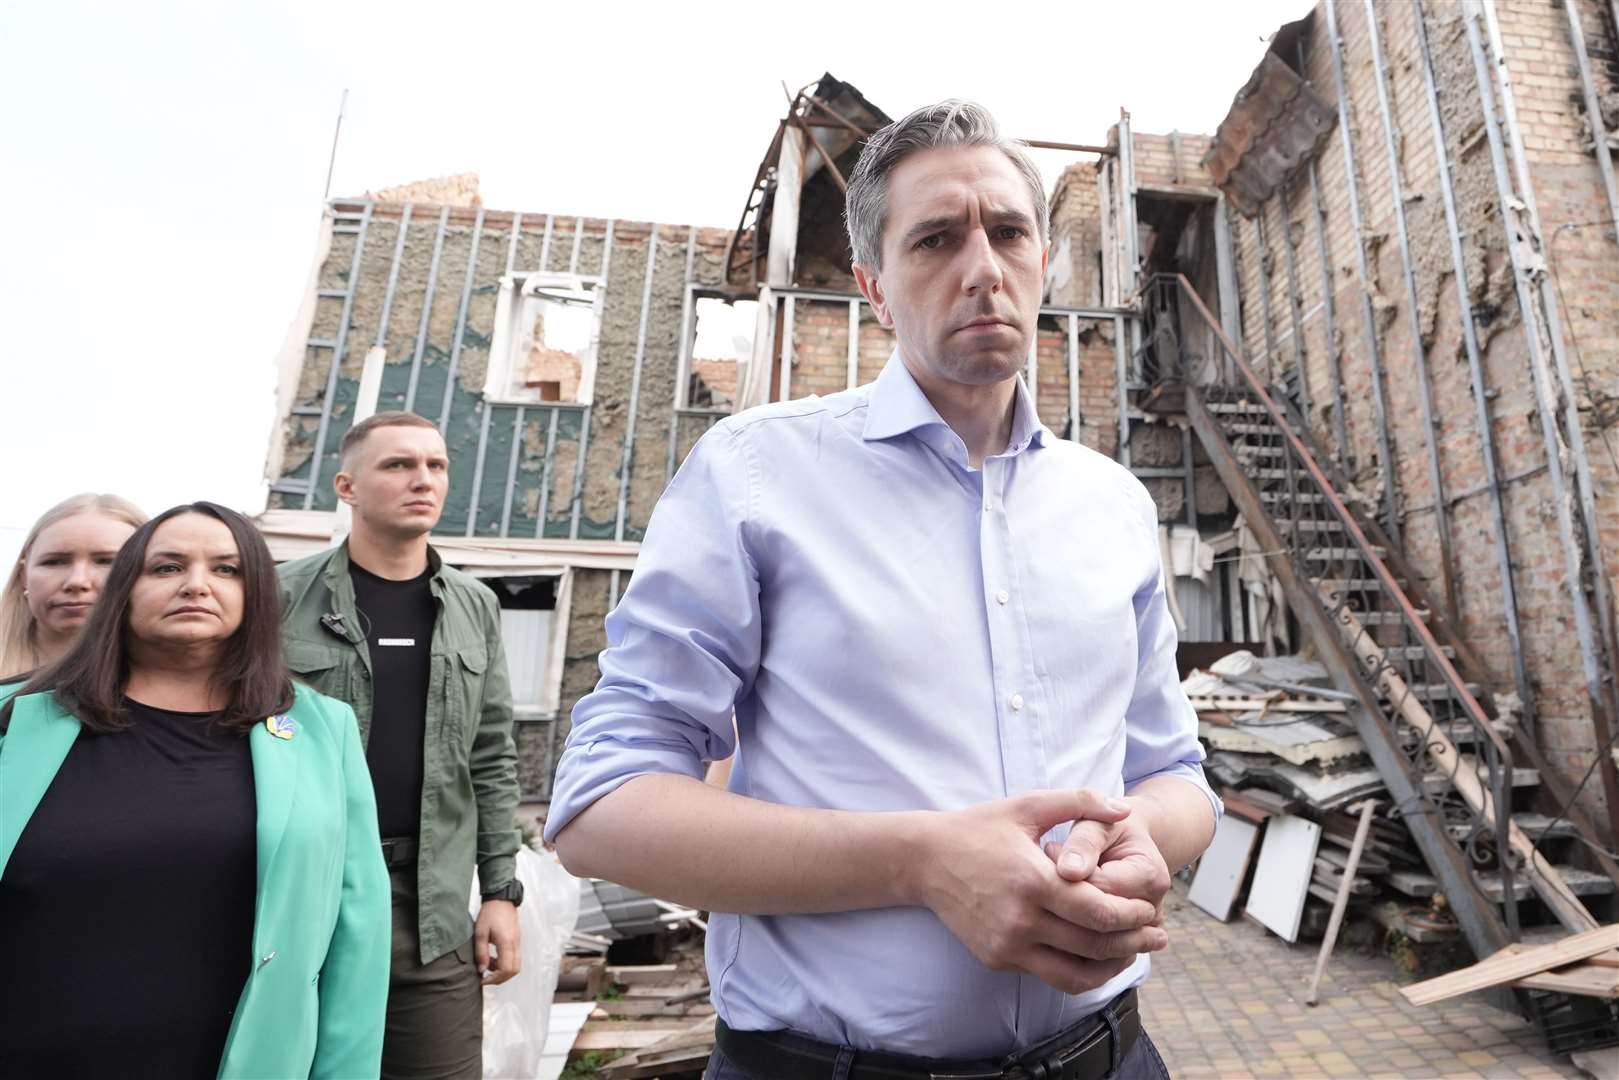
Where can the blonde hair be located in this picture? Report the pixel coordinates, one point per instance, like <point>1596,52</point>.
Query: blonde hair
<point>19,651</point>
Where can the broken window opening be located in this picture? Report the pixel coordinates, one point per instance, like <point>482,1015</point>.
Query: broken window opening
<point>527,622</point>
<point>719,350</point>
<point>547,327</point>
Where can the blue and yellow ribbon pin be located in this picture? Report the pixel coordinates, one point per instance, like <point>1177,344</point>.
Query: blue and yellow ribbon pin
<point>281,726</point>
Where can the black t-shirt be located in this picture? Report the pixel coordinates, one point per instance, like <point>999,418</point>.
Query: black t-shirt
<point>126,911</point>
<point>397,618</point>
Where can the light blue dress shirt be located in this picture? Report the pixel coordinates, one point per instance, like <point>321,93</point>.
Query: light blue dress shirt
<point>895,630</point>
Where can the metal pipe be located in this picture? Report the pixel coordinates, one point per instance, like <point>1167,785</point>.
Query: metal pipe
<point>511,471</point>
<point>1226,272</point>
<point>547,468</point>
<point>460,325</point>
<point>1593,111</point>
<point>477,468</point>
<point>1481,396</point>
<point>577,502</point>
<point>1379,405</point>
<point>578,241</point>
<point>628,460</point>
<point>545,245</point>
<point>682,354</point>
<point>1419,352</point>
<point>1518,233</point>
<point>318,459</point>
<point>1122,451</point>
<point>1262,243</point>
<point>1078,148</point>
<point>427,309</point>
<point>1340,426</point>
<point>511,246</point>
<point>1191,476</point>
<point>784,391</point>
<point>1073,378</point>
<point>1295,303</point>
<point>381,339</point>
<point>1127,162</point>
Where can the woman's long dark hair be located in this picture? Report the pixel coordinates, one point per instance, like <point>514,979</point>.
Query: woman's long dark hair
<point>89,681</point>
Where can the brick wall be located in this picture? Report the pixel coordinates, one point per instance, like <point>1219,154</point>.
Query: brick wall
<point>1584,260</point>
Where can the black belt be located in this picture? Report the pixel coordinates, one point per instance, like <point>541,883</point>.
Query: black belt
<point>400,851</point>
<point>1086,1051</point>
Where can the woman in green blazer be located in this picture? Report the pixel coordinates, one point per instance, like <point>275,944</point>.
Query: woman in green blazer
<point>191,881</point>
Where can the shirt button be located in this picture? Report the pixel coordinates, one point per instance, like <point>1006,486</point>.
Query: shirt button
<point>1017,702</point>
<point>988,506</point>
<point>1002,597</point>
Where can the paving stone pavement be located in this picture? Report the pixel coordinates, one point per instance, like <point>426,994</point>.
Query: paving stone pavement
<point>1227,1000</point>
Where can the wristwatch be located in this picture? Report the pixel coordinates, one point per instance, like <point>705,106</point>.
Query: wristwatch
<point>511,891</point>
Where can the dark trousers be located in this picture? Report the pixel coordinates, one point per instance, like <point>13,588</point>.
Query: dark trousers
<point>435,1011</point>
<point>1141,1063</point>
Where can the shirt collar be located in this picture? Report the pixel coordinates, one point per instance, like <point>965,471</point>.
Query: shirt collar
<point>897,405</point>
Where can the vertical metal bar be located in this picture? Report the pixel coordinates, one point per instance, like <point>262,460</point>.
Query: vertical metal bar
<point>1122,453</point>
<point>427,309</point>
<point>511,471</point>
<point>547,469</point>
<point>381,340</point>
<point>1191,477</point>
<point>1295,304</point>
<point>628,460</point>
<point>319,457</point>
<point>1226,272</point>
<point>1593,110</point>
<point>1419,352</point>
<point>854,346</point>
<point>1073,378</point>
<point>578,240</point>
<point>545,244</point>
<point>1475,367</point>
<point>1127,164</point>
<point>1518,233</point>
<point>460,325</point>
<point>1340,427</point>
<point>1262,241</point>
<point>682,355</point>
<point>785,391</point>
<point>1374,351</point>
<point>511,246</point>
<point>477,468</point>
<point>578,501</point>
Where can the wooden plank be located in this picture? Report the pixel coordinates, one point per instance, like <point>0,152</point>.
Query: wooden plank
<point>1243,704</point>
<point>1282,879</point>
<point>1341,901</point>
<point>642,975</point>
<point>1513,963</point>
<point>1221,870</point>
<point>1548,885</point>
<point>1590,978</point>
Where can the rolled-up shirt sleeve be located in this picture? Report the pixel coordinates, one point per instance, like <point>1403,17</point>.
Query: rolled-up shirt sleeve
<point>683,643</point>
<point>1160,726</point>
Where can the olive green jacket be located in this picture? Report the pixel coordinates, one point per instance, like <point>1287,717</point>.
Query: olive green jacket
<point>469,775</point>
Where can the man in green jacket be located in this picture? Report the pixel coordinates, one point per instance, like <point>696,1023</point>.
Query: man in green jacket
<point>414,646</point>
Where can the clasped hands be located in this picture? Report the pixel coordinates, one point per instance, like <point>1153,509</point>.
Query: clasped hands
<point>1073,915</point>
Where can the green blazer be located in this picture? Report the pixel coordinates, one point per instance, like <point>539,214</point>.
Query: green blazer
<point>317,997</point>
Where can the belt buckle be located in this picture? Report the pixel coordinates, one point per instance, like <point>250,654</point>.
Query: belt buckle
<point>388,848</point>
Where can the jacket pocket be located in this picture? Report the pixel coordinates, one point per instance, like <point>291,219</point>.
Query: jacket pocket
<point>467,694</point>
<point>320,667</point>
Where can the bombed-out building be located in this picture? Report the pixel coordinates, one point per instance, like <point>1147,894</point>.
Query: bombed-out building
<point>1361,343</point>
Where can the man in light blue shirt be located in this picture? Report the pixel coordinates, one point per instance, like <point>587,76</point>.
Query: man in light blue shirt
<point>965,767</point>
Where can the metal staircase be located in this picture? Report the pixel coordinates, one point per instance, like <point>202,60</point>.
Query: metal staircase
<point>1446,763</point>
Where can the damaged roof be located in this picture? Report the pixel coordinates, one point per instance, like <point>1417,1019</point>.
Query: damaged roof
<point>1276,124</point>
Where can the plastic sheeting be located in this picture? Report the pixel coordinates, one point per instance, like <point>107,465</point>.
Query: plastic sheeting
<point>517,1013</point>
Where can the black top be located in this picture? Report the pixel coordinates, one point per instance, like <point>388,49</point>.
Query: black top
<point>126,912</point>
<point>398,618</point>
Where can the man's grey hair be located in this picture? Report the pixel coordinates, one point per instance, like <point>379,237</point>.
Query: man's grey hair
<point>948,123</point>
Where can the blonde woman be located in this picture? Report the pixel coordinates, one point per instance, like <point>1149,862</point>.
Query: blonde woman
<point>57,578</point>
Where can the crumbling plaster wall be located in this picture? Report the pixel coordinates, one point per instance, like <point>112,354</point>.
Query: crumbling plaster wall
<point>1566,184</point>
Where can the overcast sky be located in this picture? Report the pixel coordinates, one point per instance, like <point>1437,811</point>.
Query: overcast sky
<point>163,163</point>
